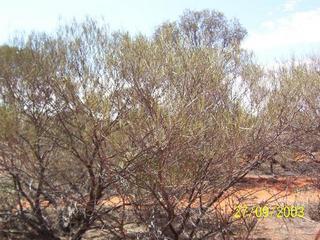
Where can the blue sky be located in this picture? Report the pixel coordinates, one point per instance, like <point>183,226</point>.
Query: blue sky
<point>277,29</point>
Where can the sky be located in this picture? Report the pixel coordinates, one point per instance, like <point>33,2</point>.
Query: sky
<point>277,29</point>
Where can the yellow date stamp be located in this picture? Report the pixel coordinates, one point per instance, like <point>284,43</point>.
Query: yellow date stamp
<point>286,211</point>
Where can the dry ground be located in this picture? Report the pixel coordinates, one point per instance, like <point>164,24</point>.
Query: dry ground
<point>289,191</point>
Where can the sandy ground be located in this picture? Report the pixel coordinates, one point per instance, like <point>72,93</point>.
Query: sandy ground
<point>289,191</point>
<point>292,191</point>
<point>280,229</point>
